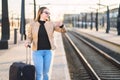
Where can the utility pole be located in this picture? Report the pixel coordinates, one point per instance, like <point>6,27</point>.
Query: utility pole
<point>108,20</point>
<point>96,18</point>
<point>5,21</point>
<point>91,26</point>
<point>85,20</point>
<point>5,26</point>
<point>34,4</point>
<point>118,21</point>
<point>108,17</point>
<point>34,9</point>
<point>22,22</point>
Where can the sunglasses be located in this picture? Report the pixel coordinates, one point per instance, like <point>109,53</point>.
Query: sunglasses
<point>46,12</point>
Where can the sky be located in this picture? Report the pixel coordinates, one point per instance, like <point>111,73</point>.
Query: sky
<point>59,7</point>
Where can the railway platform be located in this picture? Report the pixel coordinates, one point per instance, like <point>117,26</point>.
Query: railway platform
<point>111,36</point>
<point>16,52</point>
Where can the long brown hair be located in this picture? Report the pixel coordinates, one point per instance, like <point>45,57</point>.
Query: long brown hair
<point>40,11</point>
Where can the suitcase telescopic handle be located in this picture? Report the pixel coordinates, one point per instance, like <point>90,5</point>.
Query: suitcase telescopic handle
<point>28,55</point>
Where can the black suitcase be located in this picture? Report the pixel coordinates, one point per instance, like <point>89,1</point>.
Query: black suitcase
<point>22,71</point>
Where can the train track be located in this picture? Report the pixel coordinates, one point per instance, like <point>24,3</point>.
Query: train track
<point>87,62</point>
<point>110,48</point>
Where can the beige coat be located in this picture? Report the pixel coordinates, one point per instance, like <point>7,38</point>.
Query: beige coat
<point>32,33</point>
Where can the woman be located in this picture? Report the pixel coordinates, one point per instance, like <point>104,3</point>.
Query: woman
<point>40,34</point>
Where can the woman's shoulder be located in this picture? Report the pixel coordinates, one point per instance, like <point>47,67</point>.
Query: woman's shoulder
<point>33,22</point>
<point>49,22</point>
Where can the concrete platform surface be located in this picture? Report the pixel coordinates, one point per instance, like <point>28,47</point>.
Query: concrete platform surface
<point>17,52</point>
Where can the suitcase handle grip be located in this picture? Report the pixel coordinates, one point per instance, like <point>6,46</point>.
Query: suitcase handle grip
<point>29,46</point>
<point>28,55</point>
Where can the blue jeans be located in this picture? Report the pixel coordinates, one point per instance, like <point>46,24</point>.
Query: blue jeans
<point>42,60</point>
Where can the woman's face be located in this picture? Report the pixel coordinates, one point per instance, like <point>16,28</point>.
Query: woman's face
<point>45,14</point>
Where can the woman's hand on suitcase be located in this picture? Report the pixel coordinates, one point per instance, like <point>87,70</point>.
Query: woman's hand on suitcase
<point>27,45</point>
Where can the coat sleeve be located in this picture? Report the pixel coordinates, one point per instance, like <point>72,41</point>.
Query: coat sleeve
<point>29,33</point>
